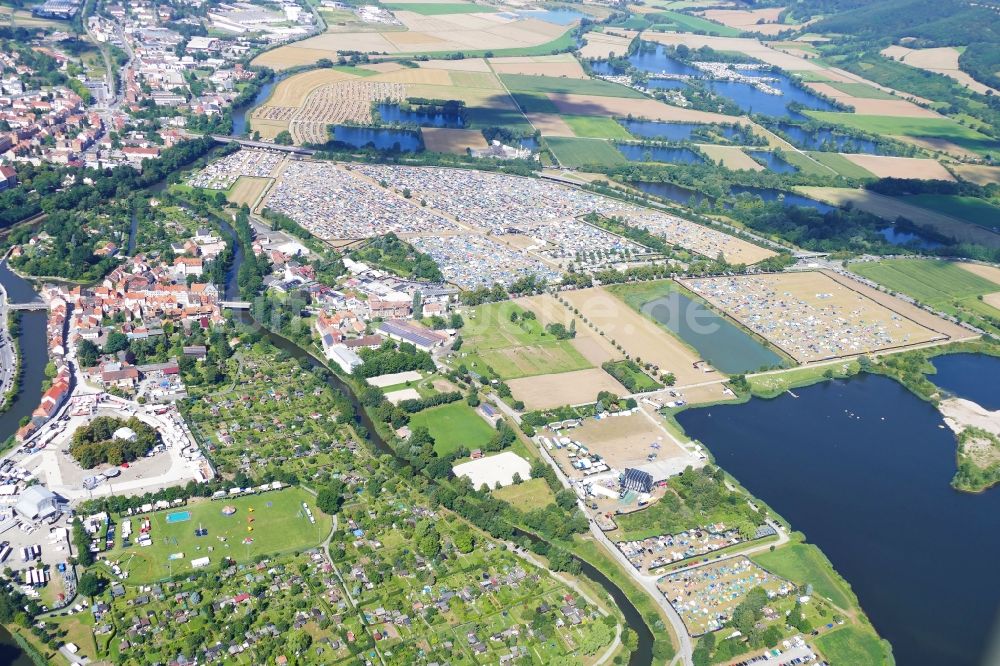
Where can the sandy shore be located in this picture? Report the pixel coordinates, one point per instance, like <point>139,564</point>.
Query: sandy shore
<point>960,414</point>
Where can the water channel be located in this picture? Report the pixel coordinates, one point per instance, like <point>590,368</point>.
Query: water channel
<point>862,467</point>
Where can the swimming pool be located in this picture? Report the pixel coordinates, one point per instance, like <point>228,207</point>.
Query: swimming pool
<point>178,517</point>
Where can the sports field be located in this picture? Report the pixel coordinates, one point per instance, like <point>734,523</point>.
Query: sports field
<point>452,426</point>
<point>264,524</point>
<point>936,283</point>
<point>575,153</point>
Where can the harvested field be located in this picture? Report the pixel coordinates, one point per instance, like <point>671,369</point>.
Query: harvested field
<point>901,167</point>
<point>430,77</point>
<point>465,65</point>
<point>573,388</point>
<point>618,107</point>
<point>562,65</point>
<point>748,20</point>
<point>624,441</point>
<point>942,60</point>
<point>294,90</point>
<point>991,273</point>
<point>602,45</point>
<point>455,141</point>
<point>382,67</point>
<point>810,315</point>
<point>890,209</point>
<point>731,157</point>
<point>639,336</point>
<point>591,345</point>
<point>745,45</point>
<point>248,189</point>
<point>550,124</point>
<point>978,174</point>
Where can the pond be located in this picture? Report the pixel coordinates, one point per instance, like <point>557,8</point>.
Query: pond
<point>638,153</point>
<point>788,198</point>
<point>681,195</point>
<point>529,142</point>
<point>604,67</point>
<point>751,99</point>
<point>391,113</point>
<point>800,137</point>
<point>724,345</point>
<point>863,468</point>
<point>897,237</point>
<point>380,138</point>
<point>975,377</point>
<point>651,129</point>
<point>772,161</point>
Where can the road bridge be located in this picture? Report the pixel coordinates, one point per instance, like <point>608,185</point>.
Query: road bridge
<point>247,143</point>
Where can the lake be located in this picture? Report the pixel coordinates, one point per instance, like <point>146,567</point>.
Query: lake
<point>637,153</point>
<point>773,162</point>
<point>800,137</point>
<point>975,377</point>
<point>651,129</point>
<point>656,61</point>
<point>724,345</point>
<point>380,138</point>
<point>862,467</point>
<point>897,237</point>
<point>681,195</point>
<point>751,99</point>
<point>391,113</point>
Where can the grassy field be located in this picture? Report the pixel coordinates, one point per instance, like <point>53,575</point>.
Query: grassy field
<point>643,382</point>
<point>436,9</point>
<point>862,90</point>
<point>528,496</point>
<point>687,23</point>
<point>916,127</point>
<point>534,102</point>
<point>851,645</point>
<point>552,84</point>
<point>452,426</point>
<point>278,524</point>
<point>776,384</point>
<point>969,209</point>
<point>937,283</point>
<point>841,164</point>
<point>807,166</point>
<point>594,127</point>
<point>575,153</point>
<point>804,563</point>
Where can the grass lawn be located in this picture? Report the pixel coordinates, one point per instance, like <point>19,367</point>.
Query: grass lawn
<point>804,563</point>
<point>527,496</point>
<point>529,360</point>
<point>595,127</point>
<point>840,164</point>
<point>851,645</point>
<point>453,425</point>
<point>936,283</point>
<point>552,84</point>
<point>436,9</point>
<point>862,90</point>
<point>969,209</point>
<point>574,153</point>
<point>943,128</point>
<point>279,525</point>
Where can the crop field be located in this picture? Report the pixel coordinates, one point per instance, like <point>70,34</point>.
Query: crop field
<point>977,173</point>
<point>575,153</point>
<point>551,84</point>
<point>567,388</point>
<point>561,65</point>
<point>247,189</point>
<point>456,141</point>
<point>621,107</point>
<point>862,90</point>
<point>263,524</point>
<point>602,45</point>
<point>592,127</point>
<point>890,209</point>
<point>688,23</point>
<point>969,209</point>
<point>885,166</point>
<point>936,283</point>
<point>942,128</point>
<point>437,8</point>
<point>639,336</point>
<point>452,426</point>
<point>731,157</point>
<point>842,164</point>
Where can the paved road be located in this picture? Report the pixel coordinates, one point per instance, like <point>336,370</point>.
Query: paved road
<point>8,360</point>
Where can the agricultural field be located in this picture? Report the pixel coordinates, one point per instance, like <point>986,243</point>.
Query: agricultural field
<point>842,164</point>
<point>575,152</point>
<point>920,128</point>
<point>592,127</point>
<point>548,84</point>
<point>438,8</point>
<point>264,524</point>
<point>970,209</point>
<point>940,284</point>
<point>883,166</point>
<point>562,65</point>
<point>247,189</point>
<point>453,426</point>
<point>455,141</point>
<point>672,20</point>
<point>731,157</point>
<point>566,388</point>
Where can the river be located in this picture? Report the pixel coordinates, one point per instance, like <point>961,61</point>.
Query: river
<point>34,356</point>
<point>862,467</point>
